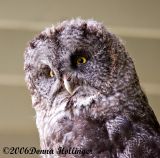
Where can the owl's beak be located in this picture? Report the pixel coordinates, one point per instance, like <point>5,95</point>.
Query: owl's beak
<point>68,84</point>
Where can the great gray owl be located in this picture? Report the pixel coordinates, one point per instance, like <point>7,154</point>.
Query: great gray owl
<point>87,96</point>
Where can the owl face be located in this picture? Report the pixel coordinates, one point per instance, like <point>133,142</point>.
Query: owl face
<point>72,55</point>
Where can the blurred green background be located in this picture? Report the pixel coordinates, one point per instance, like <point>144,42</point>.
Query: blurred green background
<point>136,22</point>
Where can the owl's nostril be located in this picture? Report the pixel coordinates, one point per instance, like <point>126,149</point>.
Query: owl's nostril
<point>67,77</point>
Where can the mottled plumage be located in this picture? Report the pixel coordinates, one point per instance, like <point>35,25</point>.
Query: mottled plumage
<point>86,93</point>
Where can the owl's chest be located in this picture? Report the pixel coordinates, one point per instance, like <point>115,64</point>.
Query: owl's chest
<point>77,132</point>
<point>66,124</point>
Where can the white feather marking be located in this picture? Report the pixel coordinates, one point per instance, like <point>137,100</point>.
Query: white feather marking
<point>84,101</point>
<point>33,100</point>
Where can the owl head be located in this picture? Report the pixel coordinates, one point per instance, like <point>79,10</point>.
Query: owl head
<point>77,54</point>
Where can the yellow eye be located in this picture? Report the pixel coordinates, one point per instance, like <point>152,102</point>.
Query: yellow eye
<point>51,73</point>
<point>81,60</point>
